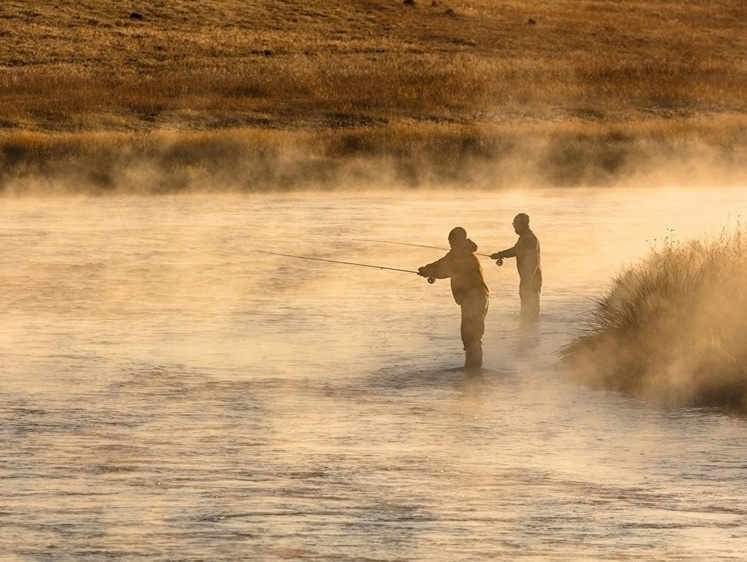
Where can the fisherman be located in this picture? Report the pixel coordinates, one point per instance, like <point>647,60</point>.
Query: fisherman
<point>527,254</point>
<point>469,290</point>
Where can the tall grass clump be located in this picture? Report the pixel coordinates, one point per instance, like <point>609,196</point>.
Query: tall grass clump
<point>672,328</point>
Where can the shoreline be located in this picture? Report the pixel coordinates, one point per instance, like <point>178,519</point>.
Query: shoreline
<point>404,155</point>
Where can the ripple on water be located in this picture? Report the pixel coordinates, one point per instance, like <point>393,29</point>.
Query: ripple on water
<point>168,395</point>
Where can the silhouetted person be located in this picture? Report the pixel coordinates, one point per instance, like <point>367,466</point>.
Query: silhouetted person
<point>469,290</point>
<point>527,254</point>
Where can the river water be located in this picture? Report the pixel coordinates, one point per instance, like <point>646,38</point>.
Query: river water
<point>171,393</point>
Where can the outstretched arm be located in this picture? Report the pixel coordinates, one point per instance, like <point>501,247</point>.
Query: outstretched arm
<point>508,253</point>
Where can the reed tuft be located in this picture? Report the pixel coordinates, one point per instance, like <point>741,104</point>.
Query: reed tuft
<point>672,328</point>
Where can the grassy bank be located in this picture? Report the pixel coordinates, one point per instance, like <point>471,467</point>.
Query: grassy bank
<point>582,89</point>
<point>672,328</point>
<point>357,158</point>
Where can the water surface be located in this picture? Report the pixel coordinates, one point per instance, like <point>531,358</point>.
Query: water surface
<point>169,393</point>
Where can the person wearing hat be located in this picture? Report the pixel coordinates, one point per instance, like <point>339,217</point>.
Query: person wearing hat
<point>527,254</point>
<point>468,288</point>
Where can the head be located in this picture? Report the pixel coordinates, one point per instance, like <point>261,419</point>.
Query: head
<point>521,223</point>
<point>457,236</point>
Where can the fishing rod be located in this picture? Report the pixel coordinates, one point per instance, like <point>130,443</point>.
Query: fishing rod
<point>498,262</point>
<point>431,280</point>
<point>408,244</point>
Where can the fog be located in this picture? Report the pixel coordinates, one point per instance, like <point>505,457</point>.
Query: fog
<point>170,392</point>
<point>509,156</point>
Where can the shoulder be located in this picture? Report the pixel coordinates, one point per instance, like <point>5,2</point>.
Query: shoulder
<point>529,238</point>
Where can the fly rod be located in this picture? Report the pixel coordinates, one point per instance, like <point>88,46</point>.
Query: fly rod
<point>408,244</point>
<point>431,280</point>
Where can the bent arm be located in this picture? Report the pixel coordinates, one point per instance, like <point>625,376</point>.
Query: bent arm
<point>438,269</point>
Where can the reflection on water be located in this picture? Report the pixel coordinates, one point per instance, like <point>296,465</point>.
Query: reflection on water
<point>168,393</point>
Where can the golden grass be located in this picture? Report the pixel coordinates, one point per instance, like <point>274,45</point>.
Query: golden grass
<point>364,76</point>
<point>673,328</point>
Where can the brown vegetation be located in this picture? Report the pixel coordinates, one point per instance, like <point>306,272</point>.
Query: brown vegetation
<point>591,92</point>
<point>672,328</point>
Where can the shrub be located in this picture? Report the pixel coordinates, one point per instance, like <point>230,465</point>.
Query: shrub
<point>673,328</point>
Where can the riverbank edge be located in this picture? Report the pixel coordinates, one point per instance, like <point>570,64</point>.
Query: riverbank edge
<point>695,151</point>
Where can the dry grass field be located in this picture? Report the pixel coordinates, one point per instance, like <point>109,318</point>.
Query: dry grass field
<point>180,95</point>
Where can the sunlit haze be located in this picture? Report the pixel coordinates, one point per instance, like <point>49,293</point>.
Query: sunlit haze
<point>222,332</point>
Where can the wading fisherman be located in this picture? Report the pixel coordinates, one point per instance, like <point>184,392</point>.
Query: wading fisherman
<point>469,290</point>
<point>527,254</point>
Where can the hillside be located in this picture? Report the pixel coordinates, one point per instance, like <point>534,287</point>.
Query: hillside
<point>561,92</point>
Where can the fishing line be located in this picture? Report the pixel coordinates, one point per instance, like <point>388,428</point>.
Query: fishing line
<point>423,292</point>
<point>507,277</point>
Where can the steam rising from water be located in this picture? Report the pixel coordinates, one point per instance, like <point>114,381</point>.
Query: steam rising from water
<point>170,393</point>
<point>256,161</point>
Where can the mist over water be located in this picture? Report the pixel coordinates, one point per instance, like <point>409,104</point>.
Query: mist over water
<point>170,393</point>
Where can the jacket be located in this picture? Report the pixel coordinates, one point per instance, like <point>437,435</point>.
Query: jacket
<point>463,267</point>
<point>528,262</point>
